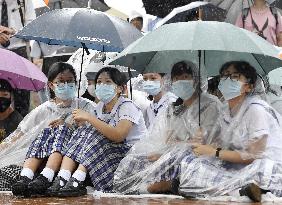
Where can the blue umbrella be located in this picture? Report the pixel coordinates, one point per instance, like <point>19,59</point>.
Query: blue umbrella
<point>73,26</point>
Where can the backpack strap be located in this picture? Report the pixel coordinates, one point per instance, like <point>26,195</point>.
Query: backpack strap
<point>275,14</point>
<point>245,13</point>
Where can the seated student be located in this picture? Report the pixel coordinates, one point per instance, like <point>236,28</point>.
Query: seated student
<point>247,158</point>
<point>9,118</point>
<point>90,92</point>
<point>153,85</point>
<point>152,163</point>
<point>99,145</point>
<point>41,135</point>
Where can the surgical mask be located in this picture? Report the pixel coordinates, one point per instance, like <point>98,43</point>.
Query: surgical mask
<point>152,87</point>
<point>4,104</point>
<point>91,90</point>
<point>230,88</point>
<point>105,93</point>
<point>65,91</point>
<point>183,89</point>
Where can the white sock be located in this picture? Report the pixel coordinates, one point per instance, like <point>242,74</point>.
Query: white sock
<point>48,173</point>
<point>79,175</point>
<point>27,172</point>
<point>143,189</point>
<point>65,174</point>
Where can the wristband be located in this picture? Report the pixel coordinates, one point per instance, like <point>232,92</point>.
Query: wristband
<point>217,152</point>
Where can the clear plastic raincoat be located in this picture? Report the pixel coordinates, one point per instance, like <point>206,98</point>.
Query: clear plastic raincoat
<point>157,156</point>
<point>14,148</point>
<point>255,133</point>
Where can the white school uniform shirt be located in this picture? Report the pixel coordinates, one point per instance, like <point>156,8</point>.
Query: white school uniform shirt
<point>14,19</point>
<point>124,109</point>
<point>155,108</point>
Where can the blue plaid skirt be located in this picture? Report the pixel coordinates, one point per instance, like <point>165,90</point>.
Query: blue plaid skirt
<point>97,154</point>
<point>49,141</point>
<point>135,171</point>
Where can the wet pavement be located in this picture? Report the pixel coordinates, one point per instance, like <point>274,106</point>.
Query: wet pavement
<point>10,200</point>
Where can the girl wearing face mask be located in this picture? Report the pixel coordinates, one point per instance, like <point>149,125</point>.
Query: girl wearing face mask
<point>153,83</point>
<point>246,157</point>
<point>9,118</point>
<point>152,164</point>
<point>99,145</point>
<point>43,133</point>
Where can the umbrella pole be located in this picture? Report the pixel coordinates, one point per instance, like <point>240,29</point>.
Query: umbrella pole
<point>199,93</point>
<point>80,74</point>
<point>130,82</point>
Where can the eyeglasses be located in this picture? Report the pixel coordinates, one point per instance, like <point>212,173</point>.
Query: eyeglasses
<point>62,83</point>
<point>232,76</point>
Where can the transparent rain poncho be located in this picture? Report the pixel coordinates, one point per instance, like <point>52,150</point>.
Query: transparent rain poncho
<point>255,132</point>
<point>14,148</point>
<point>156,157</point>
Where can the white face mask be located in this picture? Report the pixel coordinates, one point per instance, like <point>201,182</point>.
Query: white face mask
<point>152,87</point>
<point>91,90</point>
<point>183,89</point>
<point>230,88</point>
<point>105,93</point>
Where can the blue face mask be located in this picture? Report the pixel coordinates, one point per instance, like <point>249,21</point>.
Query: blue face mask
<point>230,88</point>
<point>152,87</point>
<point>105,92</point>
<point>183,89</point>
<point>65,91</point>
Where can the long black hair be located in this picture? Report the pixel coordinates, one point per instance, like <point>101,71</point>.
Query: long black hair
<point>55,70</point>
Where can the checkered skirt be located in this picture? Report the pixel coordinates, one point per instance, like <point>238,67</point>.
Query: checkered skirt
<point>8,176</point>
<point>203,176</point>
<point>98,154</point>
<point>136,171</point>
<point>50,140</point>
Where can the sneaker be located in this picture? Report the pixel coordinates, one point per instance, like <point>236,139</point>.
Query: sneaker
<point>252,191</point>
<point>20,188</point>
<point>73,188</point>
<point>58,183</point>
<point>39,185</point>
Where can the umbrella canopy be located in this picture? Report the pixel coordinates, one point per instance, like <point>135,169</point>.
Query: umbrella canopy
<point>73,26</point>
<point>234,7</point>
<point>210,12</point>
<point>218,42</point>
<point>162,8</point>
<point>21,73</point>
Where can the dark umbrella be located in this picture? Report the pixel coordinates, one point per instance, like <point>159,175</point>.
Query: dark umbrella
<point>209,12</point>
<point>73,26</point>
<point>162,8</point>
<point>84,27</point>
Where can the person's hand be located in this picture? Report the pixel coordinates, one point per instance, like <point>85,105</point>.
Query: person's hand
<point>6,30</point>
<point>200,149</point>
<point>4,39</point>
<point>80,115</point>
<point>56,123</point>
<point>154,157</point>
<point>38,62</point>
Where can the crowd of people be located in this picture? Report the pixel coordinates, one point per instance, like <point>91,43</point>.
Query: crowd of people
<point>194,137</point>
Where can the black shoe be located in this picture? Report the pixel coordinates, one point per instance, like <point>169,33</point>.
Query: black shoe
<point>175,186</point>
<point>39,185</point>
<point>73,188</point>
<point>56,186</point>
<point>252,191</point>
<point>20,188</point>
